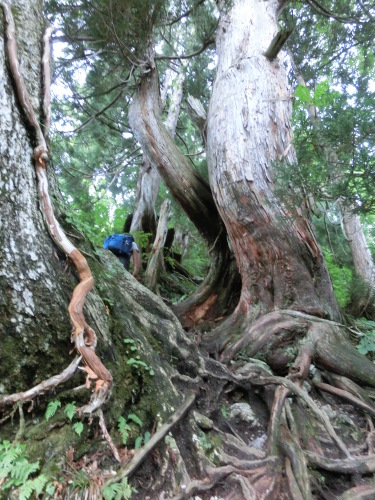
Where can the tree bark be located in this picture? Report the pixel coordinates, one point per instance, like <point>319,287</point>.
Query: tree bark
<point>30,266</point>
<point>248,129</point>
<point>193,194</point>
<point>144,217</point>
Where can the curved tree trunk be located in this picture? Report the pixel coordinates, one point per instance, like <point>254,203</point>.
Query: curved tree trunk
<point>193,194</point>
<point>248,129</point>
<point>144,217</point>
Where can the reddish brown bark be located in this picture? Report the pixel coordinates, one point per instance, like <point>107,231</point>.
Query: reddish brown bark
<point>248,129</point>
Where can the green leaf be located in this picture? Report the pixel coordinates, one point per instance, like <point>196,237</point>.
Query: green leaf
<point>70,410</point>
<point>50,489</point>
<point>147,437</point>
<point>128,341</point>
<point>52,408</point>
<point>78,428</point>
<point>303,94</point>
<point>135,419</point>
<point>124,429</point>
<point>138,442</point>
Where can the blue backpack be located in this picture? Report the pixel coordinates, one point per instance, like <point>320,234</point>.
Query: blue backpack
<point>119,244</point>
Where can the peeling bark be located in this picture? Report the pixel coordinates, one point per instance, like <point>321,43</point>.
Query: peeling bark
<point>248,128</point>
<point>144,217</point>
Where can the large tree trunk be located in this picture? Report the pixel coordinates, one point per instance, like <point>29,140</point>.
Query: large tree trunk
<point>30,265</point>
<point>281,264</point>
<point>157,370</point>
<point>37,281</point>
<point>193,194</point>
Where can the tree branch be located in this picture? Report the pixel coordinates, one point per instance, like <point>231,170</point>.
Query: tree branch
<point>154,441</point>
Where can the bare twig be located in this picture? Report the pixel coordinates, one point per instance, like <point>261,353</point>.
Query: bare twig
<point>107,436</point>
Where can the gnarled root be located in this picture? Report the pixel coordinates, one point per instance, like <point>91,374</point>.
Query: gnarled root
<point>305,343</point>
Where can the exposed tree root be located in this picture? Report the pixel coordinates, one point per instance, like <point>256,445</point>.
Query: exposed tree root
<point>294,453</point>
<point>363,492</point>
<point>319,414</point>
<point>317,341</point>
<point>214,475</point>
<point>358,465</point>
<point>347,396</point>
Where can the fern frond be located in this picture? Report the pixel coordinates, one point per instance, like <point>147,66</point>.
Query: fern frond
<point>70,410</point>
<point>135,419</point>
<point>52,408</point>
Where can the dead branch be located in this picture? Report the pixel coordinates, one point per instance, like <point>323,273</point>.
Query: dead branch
<point>43,387</point>
<point>107,436</point>
<point>154,441</point>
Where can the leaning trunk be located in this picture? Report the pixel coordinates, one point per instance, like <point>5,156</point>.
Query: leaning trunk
<point>144,217</point>
<point>280,262</point>
<point>193,194</point>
